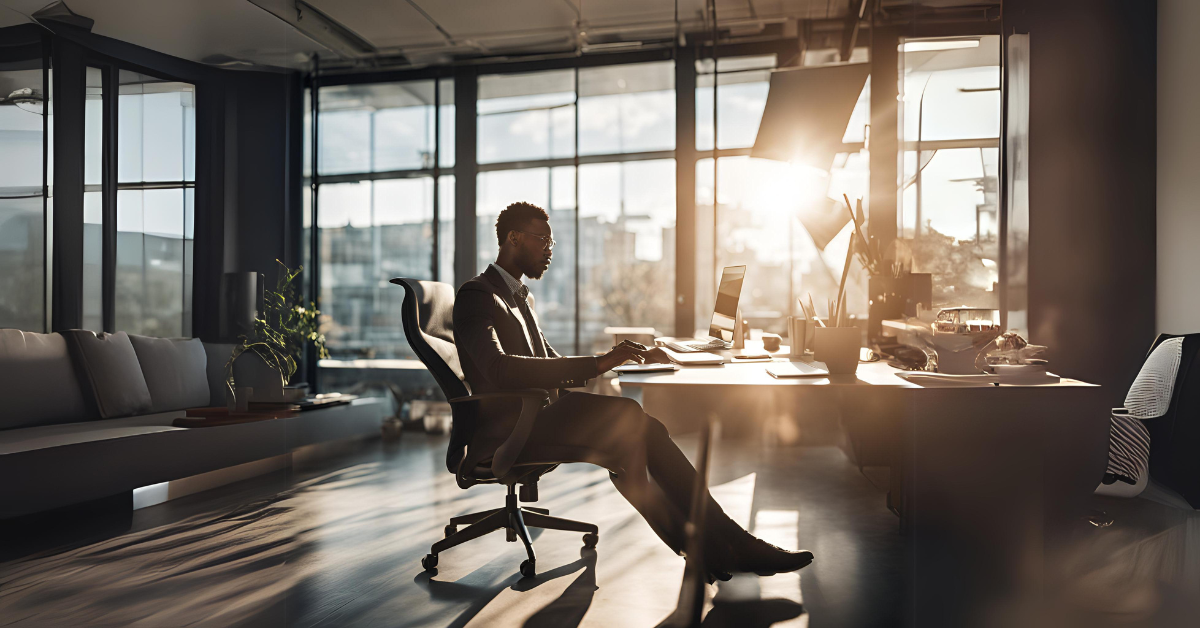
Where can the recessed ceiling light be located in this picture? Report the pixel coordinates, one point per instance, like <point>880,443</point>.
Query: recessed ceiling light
<point>937,44</point>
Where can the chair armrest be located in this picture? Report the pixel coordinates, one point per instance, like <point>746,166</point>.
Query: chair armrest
<point>532,400</point>
<point>524,393</point>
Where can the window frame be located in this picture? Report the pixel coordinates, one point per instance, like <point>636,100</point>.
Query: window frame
<point>465,243</point>
<point>110,183</point>
<point>313,180</point>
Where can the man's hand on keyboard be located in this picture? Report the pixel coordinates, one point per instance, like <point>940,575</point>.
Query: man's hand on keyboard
<point>655,356</point>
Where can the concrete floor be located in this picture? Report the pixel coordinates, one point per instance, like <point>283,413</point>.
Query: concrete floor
<point>340,546</point>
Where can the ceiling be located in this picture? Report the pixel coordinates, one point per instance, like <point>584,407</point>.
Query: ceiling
<point>271,32</point>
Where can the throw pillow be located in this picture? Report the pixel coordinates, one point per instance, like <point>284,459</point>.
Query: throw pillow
<point>109,369</point>
<point>174,369</point>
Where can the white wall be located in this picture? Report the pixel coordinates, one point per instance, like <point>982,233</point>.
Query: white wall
<point>1178,188</point>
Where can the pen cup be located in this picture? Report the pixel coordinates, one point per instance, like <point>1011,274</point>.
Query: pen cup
<point>798,336</point>
<point>838,348</point>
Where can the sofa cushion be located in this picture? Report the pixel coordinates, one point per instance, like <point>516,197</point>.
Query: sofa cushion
<point>37,381</point>
<point>175,371</point>
<point>47,436</point>
<point>108,368</point>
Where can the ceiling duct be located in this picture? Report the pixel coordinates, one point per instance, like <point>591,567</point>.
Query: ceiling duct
<point>58,11</point>
<point>321,28</point>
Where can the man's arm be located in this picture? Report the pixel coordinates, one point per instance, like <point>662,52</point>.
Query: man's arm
<point>546,343</point>
<point>475,334</point>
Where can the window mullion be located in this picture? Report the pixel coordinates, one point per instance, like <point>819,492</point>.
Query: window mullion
<point>108,178</point>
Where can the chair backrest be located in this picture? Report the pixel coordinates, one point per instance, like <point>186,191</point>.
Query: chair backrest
<point>427,315</point>
<point>1175,436</point>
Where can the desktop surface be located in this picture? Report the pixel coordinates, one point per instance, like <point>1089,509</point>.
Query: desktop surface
<point>755,374</point>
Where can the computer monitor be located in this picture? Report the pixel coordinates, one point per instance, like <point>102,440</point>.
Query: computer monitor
<point>725,310</point>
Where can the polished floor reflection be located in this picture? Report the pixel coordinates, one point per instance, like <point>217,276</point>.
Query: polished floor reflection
<point>340,545</point>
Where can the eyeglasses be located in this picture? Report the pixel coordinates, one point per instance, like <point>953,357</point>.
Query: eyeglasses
<point>547,241</point>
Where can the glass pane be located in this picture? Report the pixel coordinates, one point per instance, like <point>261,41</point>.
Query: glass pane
<point>307,156</point>
<point>741,96</point>
<point>446,231</point>
<point>370,233</point>
<point>93,247</point>
<point>93,127</point>
<point>627,108</point>
<point>496,190</point>
<point>526,116</point>
<point>952,94</point>
<point>22,236</point>
<point>771,216</point>
<point>152,273</point>
<point>446,133</point>
<point>553,190</point>
<point>381,127</point>
<point>156,129</point>
<point>93,159</point>
<point>345,142</point>
<point>627,248</point>
<point>949,207</point>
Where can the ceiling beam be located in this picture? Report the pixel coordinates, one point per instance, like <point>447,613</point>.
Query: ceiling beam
<point>854,16</point>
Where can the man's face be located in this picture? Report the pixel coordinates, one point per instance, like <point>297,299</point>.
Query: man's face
<point>533,248</point>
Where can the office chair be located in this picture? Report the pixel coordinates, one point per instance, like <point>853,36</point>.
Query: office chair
<point>427,315</point>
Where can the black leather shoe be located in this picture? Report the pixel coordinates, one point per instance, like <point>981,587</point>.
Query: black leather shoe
<point>758,556</point>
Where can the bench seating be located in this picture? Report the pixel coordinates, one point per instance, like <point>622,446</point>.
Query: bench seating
<point>51,459</point>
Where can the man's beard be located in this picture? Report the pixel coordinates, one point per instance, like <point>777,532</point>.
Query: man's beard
<point>535,270</point>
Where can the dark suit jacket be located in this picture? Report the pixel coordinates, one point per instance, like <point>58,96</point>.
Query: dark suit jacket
<point>496,354</point>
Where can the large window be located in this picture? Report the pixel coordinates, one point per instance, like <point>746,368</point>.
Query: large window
<point>384,206</point>
<point>764,207</point>
<point>613,215</point>
<point>950,179</point>
<point>156,174</point>
<point>596,147</point>
<point>23,132</point>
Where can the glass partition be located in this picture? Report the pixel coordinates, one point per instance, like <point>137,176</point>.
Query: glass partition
<point>23,206</point>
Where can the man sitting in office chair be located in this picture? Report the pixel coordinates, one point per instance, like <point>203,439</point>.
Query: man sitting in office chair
<point>501,347</point>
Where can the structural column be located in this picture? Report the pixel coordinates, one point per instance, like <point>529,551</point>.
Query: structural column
<point>465,91</point>
<point>883,143</point>
<point>685,192</point>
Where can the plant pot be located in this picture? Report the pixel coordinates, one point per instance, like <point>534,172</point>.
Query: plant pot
<point>838,348</point>
<point>251,371</point>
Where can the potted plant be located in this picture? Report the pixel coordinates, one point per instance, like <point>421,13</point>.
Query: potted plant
<point>281,332</point>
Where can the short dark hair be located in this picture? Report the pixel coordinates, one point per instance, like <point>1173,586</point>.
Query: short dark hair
<point>515,217</point>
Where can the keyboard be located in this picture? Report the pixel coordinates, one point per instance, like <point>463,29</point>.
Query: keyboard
<point>696,347</point>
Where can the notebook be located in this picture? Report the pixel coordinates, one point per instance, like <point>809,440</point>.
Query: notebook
<point>645,368</point>
<point>784,370</point>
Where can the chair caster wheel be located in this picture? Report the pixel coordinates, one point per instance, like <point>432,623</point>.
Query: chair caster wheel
<point>590,540</point>
<point>528,568</point>
<point>451,529</point>
<point>429,563</point>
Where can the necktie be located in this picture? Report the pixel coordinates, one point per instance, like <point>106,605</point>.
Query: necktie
<point>535,334</point>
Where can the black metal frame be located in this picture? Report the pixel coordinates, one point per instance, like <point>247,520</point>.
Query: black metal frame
<point>110,182</point>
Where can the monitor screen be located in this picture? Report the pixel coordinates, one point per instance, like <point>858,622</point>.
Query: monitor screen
<point>725,310</point>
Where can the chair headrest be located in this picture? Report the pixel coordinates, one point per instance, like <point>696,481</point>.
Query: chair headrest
<point>427,315</point>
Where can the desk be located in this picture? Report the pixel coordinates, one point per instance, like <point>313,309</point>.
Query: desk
<point>982,477</point>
